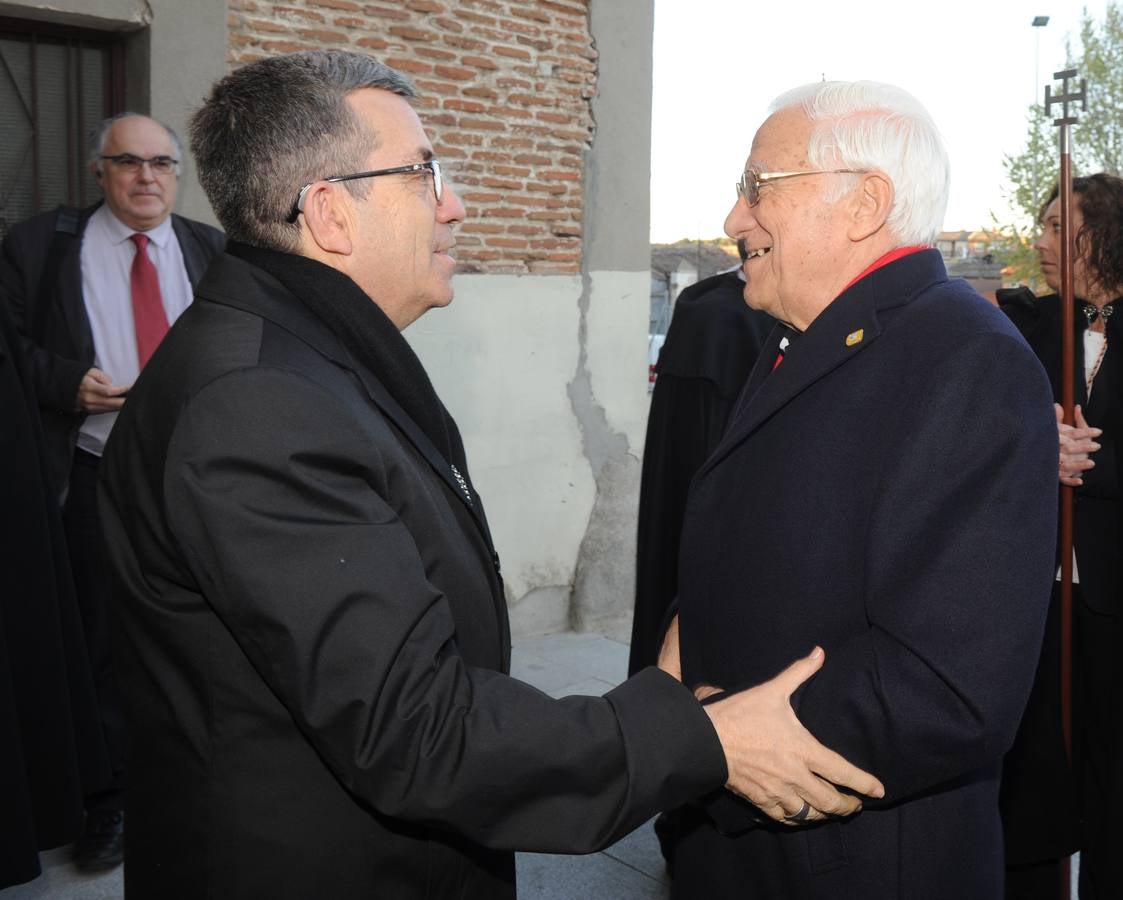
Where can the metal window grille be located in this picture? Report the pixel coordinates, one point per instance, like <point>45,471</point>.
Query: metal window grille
<point>56,84</point>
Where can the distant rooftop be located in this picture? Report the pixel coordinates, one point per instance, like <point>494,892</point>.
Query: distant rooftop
<point>707,258</point>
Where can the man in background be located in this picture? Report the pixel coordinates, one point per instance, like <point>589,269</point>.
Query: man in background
<point>92,293</point>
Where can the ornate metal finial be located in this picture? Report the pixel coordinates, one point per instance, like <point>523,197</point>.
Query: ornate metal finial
<point>1066,97</point>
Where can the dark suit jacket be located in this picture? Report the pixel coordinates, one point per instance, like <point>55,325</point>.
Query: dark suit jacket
<point>888,493</point>
<point>63,352</point>
<point>316,638</point>
<point>711,346</point>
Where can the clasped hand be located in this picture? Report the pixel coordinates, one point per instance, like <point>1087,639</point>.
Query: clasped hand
<point>1078,443</point>
<point>773,761</point>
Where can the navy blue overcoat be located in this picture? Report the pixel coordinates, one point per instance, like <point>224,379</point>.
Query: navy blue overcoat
<point>889,492</point>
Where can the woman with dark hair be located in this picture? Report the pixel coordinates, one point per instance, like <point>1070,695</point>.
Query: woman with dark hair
<point>1049,808</point>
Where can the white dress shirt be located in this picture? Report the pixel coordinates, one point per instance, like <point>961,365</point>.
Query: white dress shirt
<point>107,258</point>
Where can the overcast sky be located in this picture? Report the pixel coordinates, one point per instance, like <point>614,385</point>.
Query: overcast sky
<point>718,64</point>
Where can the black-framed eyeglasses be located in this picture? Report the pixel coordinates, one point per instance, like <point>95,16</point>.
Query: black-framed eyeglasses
<point>432,166</point>
<point>749,185</point>
<point>162,165</point>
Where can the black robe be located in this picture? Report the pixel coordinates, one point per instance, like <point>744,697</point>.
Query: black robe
<point>712,343</point>
<point>1047,812</point>
<point>50,746</point>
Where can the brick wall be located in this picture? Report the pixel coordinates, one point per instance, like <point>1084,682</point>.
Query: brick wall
<point>505,92</point>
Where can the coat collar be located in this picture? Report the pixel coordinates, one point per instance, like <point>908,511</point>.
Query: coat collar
<point>236,283</point>
<point>846,328</point>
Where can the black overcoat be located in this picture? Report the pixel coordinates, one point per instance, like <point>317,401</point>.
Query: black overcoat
<point>887,493</point>
<point>712,344</point>
<point>316,636</point>
<point>51,747</point>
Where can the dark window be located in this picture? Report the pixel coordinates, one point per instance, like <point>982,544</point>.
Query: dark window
<point>56,84</point>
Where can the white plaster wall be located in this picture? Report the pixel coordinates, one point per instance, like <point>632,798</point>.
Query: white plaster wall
<point>502,357</point>
<point>617,350</point>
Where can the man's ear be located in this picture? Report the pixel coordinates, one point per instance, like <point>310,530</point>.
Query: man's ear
<point>870,205</point>
<point>329,219</point>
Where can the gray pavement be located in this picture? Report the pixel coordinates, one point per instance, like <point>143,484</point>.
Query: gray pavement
<point>560,665</point>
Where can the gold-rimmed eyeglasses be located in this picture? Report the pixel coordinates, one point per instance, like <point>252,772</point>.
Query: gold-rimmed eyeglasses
<point>749,185</point>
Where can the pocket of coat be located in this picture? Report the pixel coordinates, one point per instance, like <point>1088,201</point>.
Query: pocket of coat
<point>826,847</point>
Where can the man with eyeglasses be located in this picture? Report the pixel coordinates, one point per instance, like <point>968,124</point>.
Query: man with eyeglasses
<point>880,489</point>
<point>315,623</point>
<point>93,291</point>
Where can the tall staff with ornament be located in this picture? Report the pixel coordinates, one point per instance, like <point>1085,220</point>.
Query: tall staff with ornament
<point>1065,122</point>
<point>1062,785</point>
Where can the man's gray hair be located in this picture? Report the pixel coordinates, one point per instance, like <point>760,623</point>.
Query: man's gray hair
<point>272,126</point>
<point>869,125</point>
<point>96,148</point>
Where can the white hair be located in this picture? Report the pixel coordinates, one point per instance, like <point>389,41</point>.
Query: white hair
<point>869,125</point>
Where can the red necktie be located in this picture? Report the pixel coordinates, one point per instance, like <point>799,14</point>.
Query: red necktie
<point>149,318</point>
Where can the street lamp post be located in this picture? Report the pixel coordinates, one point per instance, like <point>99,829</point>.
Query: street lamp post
<point>1038,23</point>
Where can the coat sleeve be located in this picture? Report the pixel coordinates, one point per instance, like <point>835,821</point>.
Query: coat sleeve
<point>958,572</point>
<point>291,537</point>
<point>53,377</point>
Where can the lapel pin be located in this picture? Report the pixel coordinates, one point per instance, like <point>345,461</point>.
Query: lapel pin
<point>855,337</point>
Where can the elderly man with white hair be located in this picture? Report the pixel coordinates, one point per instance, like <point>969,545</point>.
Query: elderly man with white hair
<point>886,489</point>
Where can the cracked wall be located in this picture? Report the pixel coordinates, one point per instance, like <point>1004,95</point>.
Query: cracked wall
<point>547,376</point>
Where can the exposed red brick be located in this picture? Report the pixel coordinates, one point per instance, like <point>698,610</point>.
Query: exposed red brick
<point>465,43</point>
<point>504,91</point>
<point>447,24</point>
<point>557,118</point>
<point>508,112</point>
<point>512,52</point>
<point>504,212</point>
<point>267,26</point>
<point>484,93</point>
<point>283,46</point>
<point>504,183</point>
<point>483,124</point>
<point>323,36</point>
<point>434,53</point>
<point>385,12</point>
<point>303,15</point>
<point>537,15</point>
<point>345,5</point>
<point>407,64</point>
<point>456,73</point>
<point>436,87</point>
<point>480,62</point>
<point>409,33</point>
<point>468,16</point>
